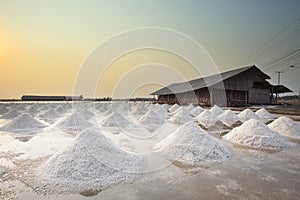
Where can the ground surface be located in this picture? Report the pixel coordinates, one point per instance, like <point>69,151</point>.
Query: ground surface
<point>249,174</point>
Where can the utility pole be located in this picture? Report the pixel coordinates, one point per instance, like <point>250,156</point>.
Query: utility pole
<point>278,83</point>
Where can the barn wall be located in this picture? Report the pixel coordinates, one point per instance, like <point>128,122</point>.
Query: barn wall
<point>187,98</point>
<point>259,96</point>
<point>203,96</point>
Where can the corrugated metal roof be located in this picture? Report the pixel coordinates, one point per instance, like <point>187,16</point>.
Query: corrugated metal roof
<point>208,81</point>
<point>280,89</point>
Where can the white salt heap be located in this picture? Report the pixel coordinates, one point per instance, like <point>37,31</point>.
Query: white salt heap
<point>115,119</point>
<point>228,118</point>
<point>3,110</point>
<point>196,111</point>
<point>25,123</point>
<point>61,110</point>
<point>92,162</point>
<point>86,113</point>
<point>165,106</point>
<point>174,107</point>
<point>13,113</point>
<point>160,111</point>
<point>286,126</point>
<point>151,120</point>
<point>190,107</point>
<point>206,118</point>
<point>246,115</point>
<point>191,146</point>
<point>50,115</point>
<point>216,110</point>
<point>74,122</point>
<point>256,134</point>
<point>140,110</point>
<point>181,116</point>
<point>33,111</point>
<point>264,115</point>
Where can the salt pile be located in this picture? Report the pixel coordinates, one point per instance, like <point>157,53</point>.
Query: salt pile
<point>25,123</point>
<point>165,106</point>
<point>86,113</point>
<point>246,115</point>
<point>256,134</point>
<point>206,119</point>
<point>264,115</point>
<point>140,110</point>
<point>92,162</point>
<point>61,110</point>
<point>190,107</point>
<point>174,107</point>
<point>74,122</point>
<point>196,111</point>
<point>49,115</point>
<point>181,116</point>
<point>11,114</point>
<point>33,111</point>
<point>21,107</point>
<point>286,126</point>
<point>228,118</point>
<point>191,146</point>
<point>151,120</point>
<point>3,110</point>
<point>115,119</point>
<point>216,110</point>
<point>160,111</point>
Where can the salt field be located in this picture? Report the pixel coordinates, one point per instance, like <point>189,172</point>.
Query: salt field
<point>120,150</point>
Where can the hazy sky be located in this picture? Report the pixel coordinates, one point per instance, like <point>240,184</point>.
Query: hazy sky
<point>44,43</point>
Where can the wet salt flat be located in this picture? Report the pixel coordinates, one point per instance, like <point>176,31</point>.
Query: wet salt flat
<point>145,151</point>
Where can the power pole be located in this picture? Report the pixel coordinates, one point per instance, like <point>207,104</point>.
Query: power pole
<point>278,83</point>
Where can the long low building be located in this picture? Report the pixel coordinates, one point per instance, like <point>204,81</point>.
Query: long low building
<point>51,98</point>
<point>237,87</point>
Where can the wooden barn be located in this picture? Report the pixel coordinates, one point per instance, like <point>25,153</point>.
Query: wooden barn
<point>237,87</point>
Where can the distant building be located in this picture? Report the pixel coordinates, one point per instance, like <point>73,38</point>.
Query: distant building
<point>237,87</point>
<point>51,98</point>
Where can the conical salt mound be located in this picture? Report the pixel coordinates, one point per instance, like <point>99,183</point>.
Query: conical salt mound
<point>33,111</point>
<point>86,113</point>
<point>92,162</point>
<point>52,114</point>
<point>191,146</point>
<point>216,110</point>
<point>256,134</point>
<point>196,111</point>
<point>286,126</point>
<point>165,106</point>
<point>61,110</point>
<point>24,123</point>
<point>151,120</point>
<point>190,107</point>
<point>21,107</point>
<point>206,119</point>
<point>161,111</point>
<point>228,118</point>
<point>264,115</point>
<point>174,107</point>
<point>74,122</point>
<point>140,110</point>
<point>247,114</point>
<point>3,110</point>
<point>11,114</point>
<point>180,117</point>
<point>115,119</point>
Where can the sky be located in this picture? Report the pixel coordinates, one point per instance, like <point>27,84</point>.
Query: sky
<point>44,44</point>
